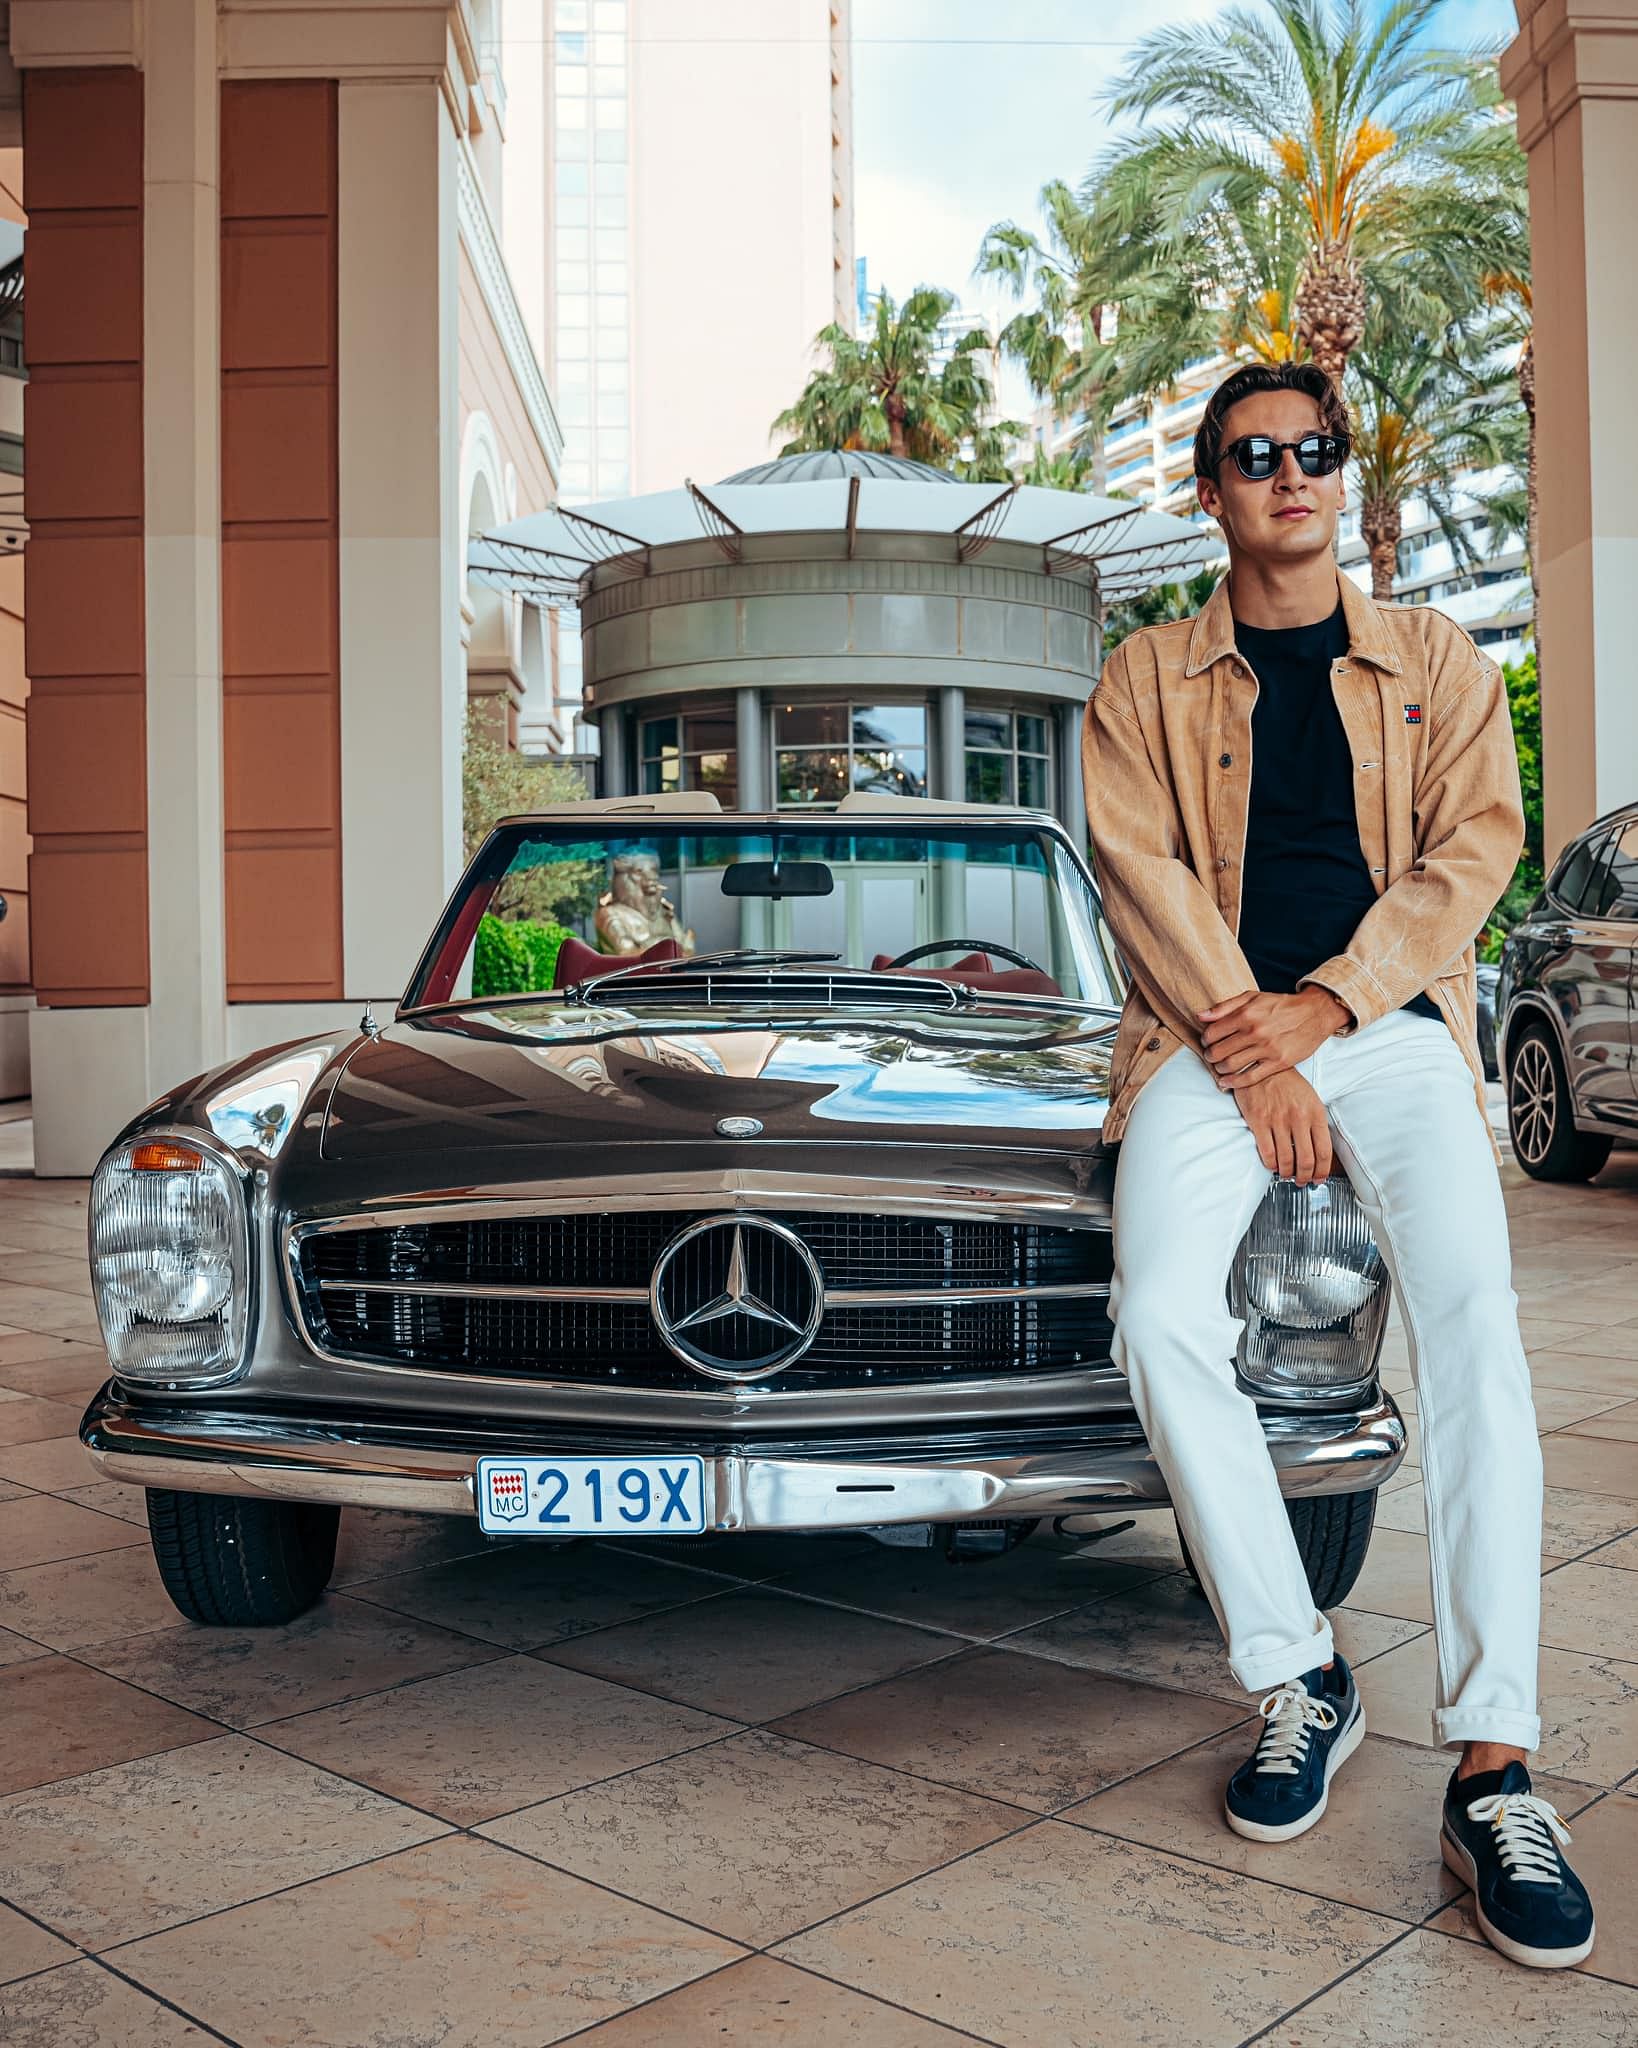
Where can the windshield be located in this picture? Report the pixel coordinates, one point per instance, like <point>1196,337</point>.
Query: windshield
<point>1000,908</point>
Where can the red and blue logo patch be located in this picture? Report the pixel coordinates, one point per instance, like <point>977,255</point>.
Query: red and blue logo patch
<point>1413,714</point>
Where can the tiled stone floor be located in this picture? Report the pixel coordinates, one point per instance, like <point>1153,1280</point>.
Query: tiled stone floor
<point>792,1792</point>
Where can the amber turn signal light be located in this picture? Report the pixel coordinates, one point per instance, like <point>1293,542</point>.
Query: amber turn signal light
<point>164,1155</point>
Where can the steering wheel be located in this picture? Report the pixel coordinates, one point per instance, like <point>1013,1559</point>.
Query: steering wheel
<point>967,945</point>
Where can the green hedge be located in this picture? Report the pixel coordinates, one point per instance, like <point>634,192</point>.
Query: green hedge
<point>514,956</point>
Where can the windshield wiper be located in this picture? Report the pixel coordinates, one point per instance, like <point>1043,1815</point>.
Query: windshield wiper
<point>750,956</point>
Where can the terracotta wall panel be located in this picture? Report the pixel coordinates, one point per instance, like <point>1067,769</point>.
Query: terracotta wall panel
<point>278,288</point>
<point>84,441</point>
<point>281,767</point>
<point>85,611</point>
<point>280,523</point>
<point>82,283</point>
<point>83,569</point>
<point>277,442</point>
<point>73,786</point>
<point>274,895</point>
<point>83,135</point>
<point>90,924</point>
<point>278,606</point>
<point>279,159</point>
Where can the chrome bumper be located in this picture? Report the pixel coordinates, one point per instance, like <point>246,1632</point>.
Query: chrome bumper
<point>378,1465</point>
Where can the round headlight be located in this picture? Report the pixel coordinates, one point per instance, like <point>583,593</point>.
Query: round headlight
<point>169,1260</point>
<point>1311,1288</point>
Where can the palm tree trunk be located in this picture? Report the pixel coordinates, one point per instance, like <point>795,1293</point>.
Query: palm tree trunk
<point>893,406</point>
<point>1527,392</point>
<point>1380,523</point>
<point>1330,307</point>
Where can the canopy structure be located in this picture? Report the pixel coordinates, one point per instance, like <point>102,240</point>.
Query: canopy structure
<point>1123,548</point>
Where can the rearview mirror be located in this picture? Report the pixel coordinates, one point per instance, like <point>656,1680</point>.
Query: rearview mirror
<point>777,878</point>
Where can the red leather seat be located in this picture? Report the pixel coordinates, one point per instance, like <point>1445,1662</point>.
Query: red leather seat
<point>578,962</point>
<point>974,970</point>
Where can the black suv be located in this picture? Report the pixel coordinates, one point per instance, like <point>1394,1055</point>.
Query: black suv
<point>1567,1007</point>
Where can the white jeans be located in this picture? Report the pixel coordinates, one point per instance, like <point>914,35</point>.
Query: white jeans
<point>1408,1132</point>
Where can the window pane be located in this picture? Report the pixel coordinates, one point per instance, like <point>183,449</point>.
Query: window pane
<point>708,732</point>
<point>574,412</point>
<point>611,342</point>
<point>812,725</point>
<point>571,113</point>
<point>571,345</point>
<point>812,778</point>
<point>611,311</point>
<point>611,408</point>
<point>609,14</point>
<point>571,49</point>
<point>570,143</point>
<point>611,208</point>
<point>715,772</point>
<point>573,310</point>
<point>573,246</point>
<point>1035,782</point>
<point>571,213</point>
<point>610,114</point>
<point>1621,888</point>
<point>611,277</point>
<point>891,725</point>
<point>658,734</point>
<point>895,772</point>
<point>611,244</point>
<point>659,776</point>
<point>611,178</point>
<point>574,277</point>
<point>571,178</point>
<point>572,13</point>
<point>613,478</point>
<point>614,377</point>
<point>989,779</point>
<point>611,146</point>
<point>615,444</point>
<point>610,81</point>
<point>1032,734</point>
<point>989,729</point>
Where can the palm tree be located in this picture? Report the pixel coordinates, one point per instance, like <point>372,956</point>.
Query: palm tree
<point>1330,110</point>
<point>1058,341</point>
<point>1424,417</point>
<point>884,390</point>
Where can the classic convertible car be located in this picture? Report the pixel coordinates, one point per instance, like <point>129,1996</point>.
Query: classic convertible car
<point>794,1217</point>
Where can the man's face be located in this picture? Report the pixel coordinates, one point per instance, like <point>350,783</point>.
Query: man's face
<point>1291,517</point>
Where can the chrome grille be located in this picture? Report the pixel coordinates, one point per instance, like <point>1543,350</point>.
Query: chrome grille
<point>405,1295</point>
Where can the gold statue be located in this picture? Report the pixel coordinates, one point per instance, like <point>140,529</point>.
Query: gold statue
<point>634,912</point>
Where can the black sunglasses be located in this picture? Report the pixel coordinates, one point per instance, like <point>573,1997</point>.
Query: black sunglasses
<point>1258,456</point>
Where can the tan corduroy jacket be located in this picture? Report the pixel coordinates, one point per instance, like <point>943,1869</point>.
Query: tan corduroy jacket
<point>1166,752</point>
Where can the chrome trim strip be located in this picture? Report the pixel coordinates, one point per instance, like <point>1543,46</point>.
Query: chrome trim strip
<point>834,1297</point>
<point>278,1458</point>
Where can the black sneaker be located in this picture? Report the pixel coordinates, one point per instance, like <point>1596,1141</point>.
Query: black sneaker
<point>1502,1840</point>
<point>1314,1724</point>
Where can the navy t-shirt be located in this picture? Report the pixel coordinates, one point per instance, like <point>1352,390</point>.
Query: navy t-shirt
<point>1307,884</point>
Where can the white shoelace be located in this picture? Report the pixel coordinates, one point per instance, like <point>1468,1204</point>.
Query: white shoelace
<point>1524,1828</point>
<point>1291,1711</point>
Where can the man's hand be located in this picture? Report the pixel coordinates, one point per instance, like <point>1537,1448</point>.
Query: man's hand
<point>1289,1123</point>
<point>1251,1035</point>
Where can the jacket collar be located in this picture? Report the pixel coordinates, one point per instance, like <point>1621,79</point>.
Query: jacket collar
<point>1368,635</point>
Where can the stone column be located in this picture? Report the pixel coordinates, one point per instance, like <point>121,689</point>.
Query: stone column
<point>1573,71</point>
<point>403,693</point>
<point>751,750</point>
<point>1071,789</point>
<point>952,743</point>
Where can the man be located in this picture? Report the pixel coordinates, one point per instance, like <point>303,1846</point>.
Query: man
<point>1303,807</point>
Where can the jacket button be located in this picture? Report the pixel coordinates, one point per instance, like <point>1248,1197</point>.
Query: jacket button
<point>1225,760</point>
<point>1223,862</point>
<point>1154,1045</point>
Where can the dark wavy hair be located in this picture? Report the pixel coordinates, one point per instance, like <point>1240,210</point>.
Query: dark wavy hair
<point>1247,382</point>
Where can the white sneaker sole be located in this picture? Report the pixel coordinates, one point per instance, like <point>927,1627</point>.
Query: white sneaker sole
<point>1260,1831</point>
<point>1460,1864</point>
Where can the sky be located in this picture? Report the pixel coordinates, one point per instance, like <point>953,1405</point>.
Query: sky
<point>963,109</point>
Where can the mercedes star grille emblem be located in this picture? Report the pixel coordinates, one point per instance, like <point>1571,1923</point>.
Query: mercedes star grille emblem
<point>739,1127</point>
<point>737,1297</point>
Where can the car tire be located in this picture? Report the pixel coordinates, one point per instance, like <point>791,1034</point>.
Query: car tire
<point>1541,1116</point>
<point>1333,1532</point>
<point>241,1563</point>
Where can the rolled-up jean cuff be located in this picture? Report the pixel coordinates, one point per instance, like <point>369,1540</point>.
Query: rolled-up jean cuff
<point>1452,1726</point>
<point>1261,1674</point>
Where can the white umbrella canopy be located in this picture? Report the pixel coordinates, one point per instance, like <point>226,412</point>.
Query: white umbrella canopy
<point>545,556</point>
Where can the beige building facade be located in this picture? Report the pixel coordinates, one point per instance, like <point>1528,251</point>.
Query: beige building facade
<point>277,372</point>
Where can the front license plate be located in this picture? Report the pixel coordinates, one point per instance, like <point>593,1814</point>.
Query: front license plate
<point>591,1496</point>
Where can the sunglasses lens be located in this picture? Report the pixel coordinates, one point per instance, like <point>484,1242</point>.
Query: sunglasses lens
<point>1256,457</point>
<point>1318,454</point>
